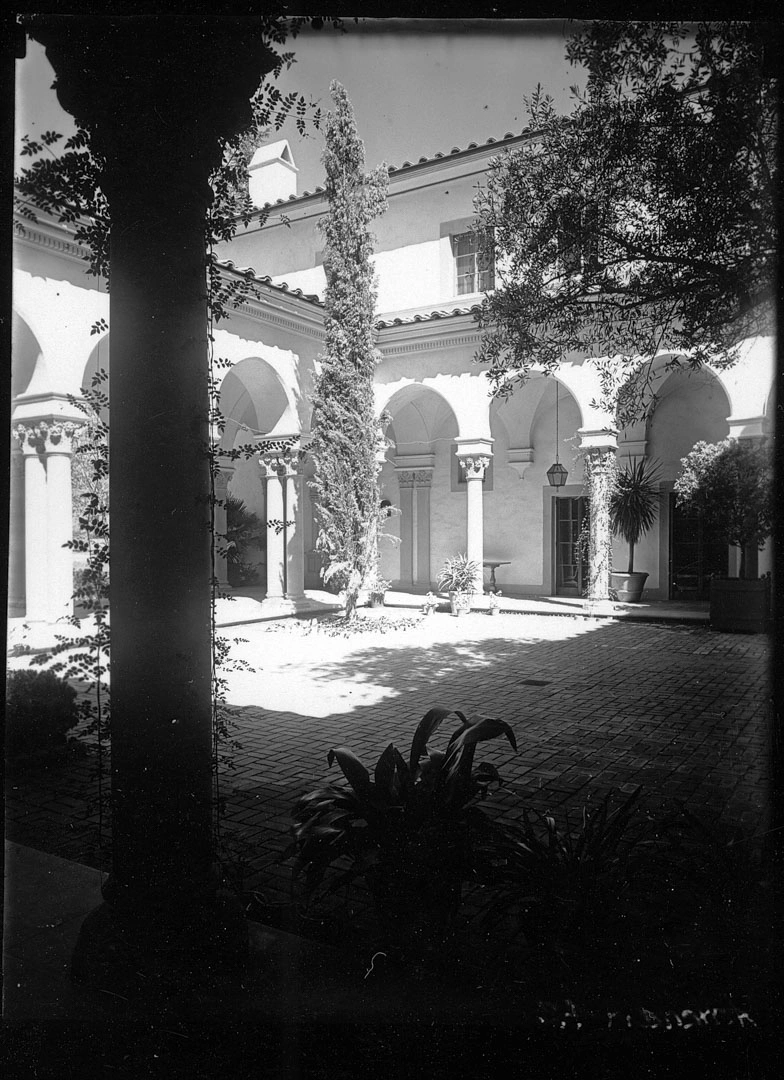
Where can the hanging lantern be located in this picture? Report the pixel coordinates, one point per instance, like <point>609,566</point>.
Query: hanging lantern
<point>556,474</point>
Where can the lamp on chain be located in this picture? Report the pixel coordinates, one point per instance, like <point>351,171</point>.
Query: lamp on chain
<point>556,474</point>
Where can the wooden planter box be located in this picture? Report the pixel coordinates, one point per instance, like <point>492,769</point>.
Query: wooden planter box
<point>739,606</point>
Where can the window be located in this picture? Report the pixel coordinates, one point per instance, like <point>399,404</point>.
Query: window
<point>474,267</point>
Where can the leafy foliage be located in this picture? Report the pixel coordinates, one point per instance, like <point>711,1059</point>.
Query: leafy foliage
<point>731,484</point>
<point>644,220</point>
<point>634,502</point>
<point>346,431</point>
<point>40,709</point>
<point>458,574</point>
<point>243,527</point>
<point>411,829</point>
<point>561,879</point>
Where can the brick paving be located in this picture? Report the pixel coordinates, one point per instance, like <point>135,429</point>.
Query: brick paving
<point>596,705</point>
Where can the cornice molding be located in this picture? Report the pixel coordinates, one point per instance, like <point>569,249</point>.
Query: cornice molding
<point>48,235</point>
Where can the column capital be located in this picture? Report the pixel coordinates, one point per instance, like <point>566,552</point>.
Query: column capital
<point>414,477</point>
<point>284,456</point>
<point>480,447</point>
<point>45,436</point>
<point>746,427</point>
<point>598,439</point>
<point>475,466</point>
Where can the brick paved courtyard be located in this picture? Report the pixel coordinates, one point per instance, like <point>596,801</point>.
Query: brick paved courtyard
<point>595,704</point>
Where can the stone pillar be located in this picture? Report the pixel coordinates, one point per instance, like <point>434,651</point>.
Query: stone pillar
<point>599,452</point>
<point>295,530</point>
<point>46,444</point>
<point>274,472</point>
<point>423,479</point>
<point>406,483</point>
<point>220,567</point>
<point>474,469</point>
<point>16,537</point>
<point>159,94</point>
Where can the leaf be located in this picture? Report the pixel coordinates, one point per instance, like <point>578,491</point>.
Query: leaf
<point>426,727</point>
<point>392,776</point>
<point>480,728</point>
<point>353,770</point>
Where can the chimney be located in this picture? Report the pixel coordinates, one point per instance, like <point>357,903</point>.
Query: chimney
<point>272,173</point>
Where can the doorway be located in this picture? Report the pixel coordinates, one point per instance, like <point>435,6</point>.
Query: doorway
<point>695,556</point>
<point>569,513</point>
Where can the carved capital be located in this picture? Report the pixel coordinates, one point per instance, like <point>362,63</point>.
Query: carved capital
<point>406,478</point>
<point>282,457</point>
<point>45,437</point>
<point>474,467</point>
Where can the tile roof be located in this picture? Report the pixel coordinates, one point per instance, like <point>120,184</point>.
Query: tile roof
<point>442,313</point>
<point>312,298</point>
<point>282,286</point>
<point>396,169</point>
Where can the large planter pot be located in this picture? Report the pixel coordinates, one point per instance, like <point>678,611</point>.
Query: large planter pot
<point>628,587</point>
<point>376,599</point>
<point>739,606</point>
<point>460,603</point>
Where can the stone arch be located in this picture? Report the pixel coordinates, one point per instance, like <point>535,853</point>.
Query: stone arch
<point>418,476</point>
<point>467,396</point>
<point>255,400</point>
<point>26,352</point>
<point>691,406</point>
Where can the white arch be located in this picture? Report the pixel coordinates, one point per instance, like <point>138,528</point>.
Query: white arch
<point>60,316</point>
<point>467,395</point>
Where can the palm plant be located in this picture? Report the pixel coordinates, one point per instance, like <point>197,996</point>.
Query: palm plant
<point>634,502</point>
<point>458,575</point>
<point>412,830</point>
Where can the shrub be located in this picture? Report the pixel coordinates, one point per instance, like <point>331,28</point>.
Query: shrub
<point>411,829</point>
<point>40,710</point>
<point>731,484</point>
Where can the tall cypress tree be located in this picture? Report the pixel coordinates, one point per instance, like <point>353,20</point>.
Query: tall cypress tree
<point>346,430</point>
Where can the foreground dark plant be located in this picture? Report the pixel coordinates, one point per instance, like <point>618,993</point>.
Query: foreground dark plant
<point>40,710</point>
<point>561,880</point>
<point>412,831</point>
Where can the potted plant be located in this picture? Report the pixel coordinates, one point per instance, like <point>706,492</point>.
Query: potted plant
<point>634,503</point>
<point>494,603</point>
<point>458,577</point>
<point>730,484</point>
<point>376,587</point>
<point>430,604</point>
<point>411,829</point>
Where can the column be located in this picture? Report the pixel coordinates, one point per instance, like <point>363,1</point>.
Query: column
<point>599,452</point>
<point>274,471</point>
<point>474,471</point>
<point>166,95</point>
<point>220,566</point>
<point>405,478</point>
<point>47,448</point>
<point>16,537</point>
<point>295,530</point>
<point>422,480</point>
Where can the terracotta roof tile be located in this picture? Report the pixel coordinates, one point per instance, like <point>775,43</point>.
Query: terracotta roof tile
<point>281,286</point>
<point>437,156</point>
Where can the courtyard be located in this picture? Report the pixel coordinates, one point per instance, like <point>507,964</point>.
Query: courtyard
<point>598,706</point>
